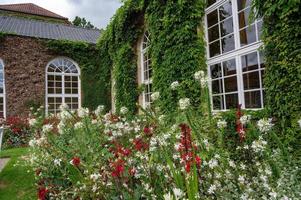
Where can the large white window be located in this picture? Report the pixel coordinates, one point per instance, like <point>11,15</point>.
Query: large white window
<point>63,85</point>
<point>146,71</point>
<point>2,91</point>
<point>235,65</point>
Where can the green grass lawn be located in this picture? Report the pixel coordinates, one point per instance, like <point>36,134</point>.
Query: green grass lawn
<point>15,181</point>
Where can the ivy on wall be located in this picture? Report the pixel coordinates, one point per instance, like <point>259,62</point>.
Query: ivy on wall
<point>282,49</point>
<point>177,49</point>
<point>95,78</point>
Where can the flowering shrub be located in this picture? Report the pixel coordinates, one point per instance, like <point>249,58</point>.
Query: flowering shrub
<point>17,132</point>
<point>91,155</point>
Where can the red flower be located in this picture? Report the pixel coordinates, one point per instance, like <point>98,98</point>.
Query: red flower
<point>118,168</point>
<point>148,130</point>
<point>42,193</point>
<point>76,161</point>
<point>187,167</point>
<point>198,161</point>
<point>140,145</point>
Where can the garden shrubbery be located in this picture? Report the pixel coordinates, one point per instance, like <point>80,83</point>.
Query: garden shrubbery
<point>16,132</point>
<point>92,155</point>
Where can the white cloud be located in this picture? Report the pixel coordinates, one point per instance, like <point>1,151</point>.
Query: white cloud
<point>99,12</point>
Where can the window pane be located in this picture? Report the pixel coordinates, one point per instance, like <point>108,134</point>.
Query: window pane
<point>249,62</point>
<point>253,99</point>
<point>213,33</point>
<point>225,10</point>
<point>251,80</point>
<point>231,84</point>
<point>228,43</point>
<point>244,18</point>
<point>217,86</point>
<point>212,18</point>
<point>210,2</point>
<point>229,67</point>
<point>226,26</point>
<point>216,71</point>
<point>214,48</point>
<point>259,30</point>
<point>247,35</point>
<point>231,101</point>
<point>243,4</point>
<point>261,60</point>
<point>218,102</point>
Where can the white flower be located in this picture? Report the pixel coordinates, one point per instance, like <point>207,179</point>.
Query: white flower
<point>178,193</point>
<point>47,128</point>
<point>174,85</point>
<point>258,145</point>
<point>299,122</point>
<point>32,142</point>
<point>265,125</point>
<point>241,179</point>
<point>32,122</point>
<point>57,162</point>
<point>124,110</point>
<point>155,96</point>
<point>221,124</point>
<point>204,81</point>
<point>161,118</point>
<point>212,189</point>
<point>83,112</point>
<point>64,107</point>
<point>184,103</point>
<point>78,125</point>
<point>168,196</point>
<point>95,176</point>
<point>213,163</point>
<point>232,164</point>
<point>199,75</point>
<point>273,194</point>
<point>245,119</point>
<point>99,110</point>
<point>65,115</point>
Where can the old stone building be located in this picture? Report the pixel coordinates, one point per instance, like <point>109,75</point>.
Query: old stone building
<point>29,73</point>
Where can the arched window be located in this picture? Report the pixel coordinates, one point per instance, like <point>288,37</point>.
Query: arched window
<point>2,91</point>
<point>63,85</point>
<point>146,70</point>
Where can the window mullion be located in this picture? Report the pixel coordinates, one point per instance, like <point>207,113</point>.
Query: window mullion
<point>63,88</point>
<point>241,96</point>
<point>235,24</point>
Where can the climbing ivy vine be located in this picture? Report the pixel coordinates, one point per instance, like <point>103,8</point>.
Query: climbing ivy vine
<point>177,49</point>
<point>282,49</point>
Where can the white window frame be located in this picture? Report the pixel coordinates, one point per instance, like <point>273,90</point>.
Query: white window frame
<point>62,74</point>
<point>233,54</point>
<point>143,81</point>
<point>3,95</point>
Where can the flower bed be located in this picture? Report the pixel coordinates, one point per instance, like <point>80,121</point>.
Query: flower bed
<point>90,155</point>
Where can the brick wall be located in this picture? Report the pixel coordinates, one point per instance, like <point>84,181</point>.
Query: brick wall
<point>25,60</point>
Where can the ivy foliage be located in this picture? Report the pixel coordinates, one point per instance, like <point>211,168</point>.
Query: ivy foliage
<point>282,49</point>
<point>177,49</point>
<point>95,79</point>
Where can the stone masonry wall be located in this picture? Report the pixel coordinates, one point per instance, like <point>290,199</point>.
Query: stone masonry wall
<point>25,60</point>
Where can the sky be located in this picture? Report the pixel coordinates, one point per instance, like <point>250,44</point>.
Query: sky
<point>98,12</point>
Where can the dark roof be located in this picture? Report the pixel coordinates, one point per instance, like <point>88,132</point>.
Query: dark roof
<point>47,30</point>
<point>30,8</point>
